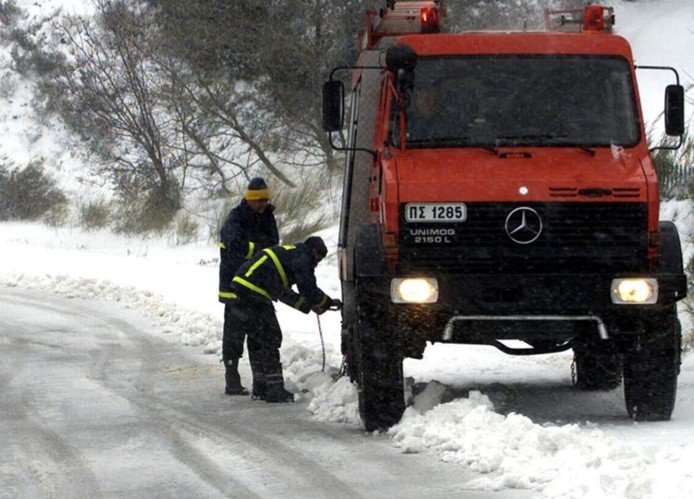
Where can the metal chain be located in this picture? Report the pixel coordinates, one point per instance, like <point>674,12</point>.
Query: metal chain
<point>322,343</point>
<point>343,369</point>
<point>573,371</point>
<point>343,366</point>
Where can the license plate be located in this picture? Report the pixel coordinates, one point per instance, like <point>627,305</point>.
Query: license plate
<point>435,212</point>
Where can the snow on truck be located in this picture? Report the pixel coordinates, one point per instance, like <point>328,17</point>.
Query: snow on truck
<point>498,186</point>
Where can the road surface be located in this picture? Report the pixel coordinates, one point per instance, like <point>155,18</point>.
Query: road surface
<point>93,403</point>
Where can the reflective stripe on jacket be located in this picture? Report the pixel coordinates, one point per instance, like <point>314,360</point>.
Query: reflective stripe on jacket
<point>243,234</point>
<point>272,273</point>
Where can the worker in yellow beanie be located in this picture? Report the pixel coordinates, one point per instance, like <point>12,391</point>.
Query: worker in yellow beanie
<point>248,228</point>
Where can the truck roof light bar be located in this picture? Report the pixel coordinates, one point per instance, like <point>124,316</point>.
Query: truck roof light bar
<point>429,20</point>
<point>595,18</point>
<point>589,19</point>
<point>401,18</point>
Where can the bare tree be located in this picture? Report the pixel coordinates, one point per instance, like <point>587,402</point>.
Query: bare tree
<point>111,91</point>
<point>222,127</point>
<point>160,124</point>
<point>285,49</point>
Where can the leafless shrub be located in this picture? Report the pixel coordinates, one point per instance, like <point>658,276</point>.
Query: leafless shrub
<point>301,211</point>
<point>29,194</point>
<point>95,215</point>
<point>186,229</point>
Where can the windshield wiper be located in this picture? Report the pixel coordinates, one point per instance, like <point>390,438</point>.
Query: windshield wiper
<point>542,140</point>
<point>454,142</point>
<point>587,149</point>
<point>515,139</point>
<point>491,149</point>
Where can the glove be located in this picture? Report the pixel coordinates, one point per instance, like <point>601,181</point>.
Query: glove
<point>333,304</point>
<point>319,310</point>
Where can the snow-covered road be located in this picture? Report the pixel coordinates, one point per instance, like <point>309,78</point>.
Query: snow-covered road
<point>484,421</point>
<point>95,405</point>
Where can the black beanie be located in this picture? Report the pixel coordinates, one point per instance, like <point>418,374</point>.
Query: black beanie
<point>257,189</point>
<point>315,242</point>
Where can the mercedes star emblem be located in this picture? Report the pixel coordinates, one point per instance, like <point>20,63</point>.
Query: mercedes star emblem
<point>523,225</point>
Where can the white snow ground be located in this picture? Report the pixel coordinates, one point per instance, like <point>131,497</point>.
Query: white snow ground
<point>514,420</point>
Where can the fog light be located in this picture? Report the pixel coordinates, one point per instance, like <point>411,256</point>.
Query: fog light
<point>414,290</point>
<point>634,291</point>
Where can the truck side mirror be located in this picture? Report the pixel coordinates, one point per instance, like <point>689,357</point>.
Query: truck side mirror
<point>333,106</point>
<point>402,59</point>
<point>674,110</point>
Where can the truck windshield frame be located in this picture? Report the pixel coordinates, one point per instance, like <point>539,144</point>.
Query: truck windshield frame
<point>555,100</point>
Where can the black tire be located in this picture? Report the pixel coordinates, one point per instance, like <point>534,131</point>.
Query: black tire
<point>373,339</point>
<point>380,378</point>
<point>352,360</point>
<point>349,347</point>
<point>598,365</point>
<point>670,250</point>
<point>651,368</point>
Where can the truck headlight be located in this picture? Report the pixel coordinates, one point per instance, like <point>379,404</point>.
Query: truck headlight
<point>638,291</point>
<point>414,290</point>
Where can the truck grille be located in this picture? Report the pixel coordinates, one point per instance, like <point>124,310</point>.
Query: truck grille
<point>575,237</point>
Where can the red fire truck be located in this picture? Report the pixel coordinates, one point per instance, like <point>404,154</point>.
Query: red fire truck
<point>498,186</point>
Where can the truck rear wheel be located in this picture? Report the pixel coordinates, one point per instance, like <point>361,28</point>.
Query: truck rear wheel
<point>651,369</point>
<point>380,379</point>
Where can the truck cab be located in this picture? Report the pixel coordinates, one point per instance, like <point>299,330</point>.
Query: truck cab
<point>498,186</point>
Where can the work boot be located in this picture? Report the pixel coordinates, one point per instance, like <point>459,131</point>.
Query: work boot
<point>259,389</point>
<point>233,380</point>
<point>259,385</point>
<point>275,392</point>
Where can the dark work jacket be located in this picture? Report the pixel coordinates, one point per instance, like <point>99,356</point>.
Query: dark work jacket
<point>243,235</point>
<point>267,278</point>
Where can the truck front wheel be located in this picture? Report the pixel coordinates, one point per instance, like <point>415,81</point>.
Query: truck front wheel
<point>380,379</point>
<point>598,365</point>
<point>651,368</point>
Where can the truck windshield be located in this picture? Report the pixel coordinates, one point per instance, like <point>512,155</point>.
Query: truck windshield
<point>522,100</point>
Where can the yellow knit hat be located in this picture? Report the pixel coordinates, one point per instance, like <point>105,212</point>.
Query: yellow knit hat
<point>257,189</point>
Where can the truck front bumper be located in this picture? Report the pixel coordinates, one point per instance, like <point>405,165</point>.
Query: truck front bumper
<point>547,294</point>
<point>476,308</point>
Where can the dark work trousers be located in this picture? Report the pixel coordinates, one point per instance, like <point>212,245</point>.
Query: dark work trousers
<point>232,336</point>
<point>254,319</point>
